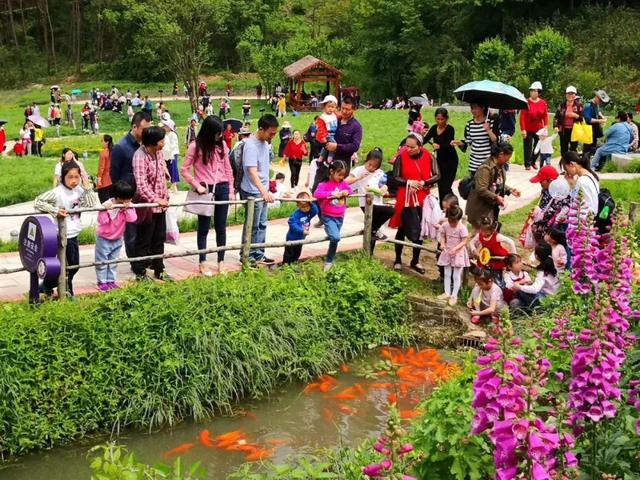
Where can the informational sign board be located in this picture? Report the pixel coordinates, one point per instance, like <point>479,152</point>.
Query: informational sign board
<point>38,244</point>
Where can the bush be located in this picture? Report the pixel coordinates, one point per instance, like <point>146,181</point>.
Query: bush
<point>545,52</point>
<point>155,354</point>
<point>493,60</point>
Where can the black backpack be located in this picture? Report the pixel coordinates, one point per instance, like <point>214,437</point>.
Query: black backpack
<point>235,158</point>
<point>606,207</point>
<point>466,185</point>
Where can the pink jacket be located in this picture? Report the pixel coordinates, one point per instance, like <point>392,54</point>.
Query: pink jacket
<point>332,207</point>
<point>217,170</point>
<point>111,223</point>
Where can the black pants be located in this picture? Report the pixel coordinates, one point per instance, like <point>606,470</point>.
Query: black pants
<point>104,194</point>
<point>130,239</point>
<point>381,213</point>
<point>73,258</point>
<point>448,170</point>
<point>291,254</point>
<point>220,212</point>
<point>150,237</point>
<point>529,145</point>
<point>295,164</point>
<point>322,175</point>
<point>415,258</point>
<point>565,141</point>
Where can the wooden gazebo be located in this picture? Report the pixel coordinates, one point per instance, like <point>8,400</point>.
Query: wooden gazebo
<point>310,69</point>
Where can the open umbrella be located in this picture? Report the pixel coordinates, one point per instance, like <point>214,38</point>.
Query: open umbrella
<point>236,124</point>
<point>76,91</point>
<point>54,87</point>
<point>492,94</point>
<point>418,101</point>
<point>38,120</point>
<point>2,122</point>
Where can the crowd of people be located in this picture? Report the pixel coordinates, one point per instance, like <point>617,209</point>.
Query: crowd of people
<point>143,167</point>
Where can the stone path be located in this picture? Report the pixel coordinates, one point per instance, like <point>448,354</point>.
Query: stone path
<point>14,286</point>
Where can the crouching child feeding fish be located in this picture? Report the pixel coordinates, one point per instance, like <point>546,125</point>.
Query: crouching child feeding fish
<point>299,224</point>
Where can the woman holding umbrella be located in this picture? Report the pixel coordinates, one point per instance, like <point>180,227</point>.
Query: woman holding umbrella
<point>490,186</point>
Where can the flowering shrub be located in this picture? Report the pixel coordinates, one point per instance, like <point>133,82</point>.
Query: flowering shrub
<point>541,417</point>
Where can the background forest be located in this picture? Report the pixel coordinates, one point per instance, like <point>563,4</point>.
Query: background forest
<point>387,47</point>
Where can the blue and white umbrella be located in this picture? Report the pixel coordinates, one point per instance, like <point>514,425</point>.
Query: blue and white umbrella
<point>492,94</point>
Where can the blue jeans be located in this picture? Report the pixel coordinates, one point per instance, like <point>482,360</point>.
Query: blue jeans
<point>220,193</point>
<point>545,159</point>
<point>107,250</point>
<point>259,227</point>
<point>332,226</point>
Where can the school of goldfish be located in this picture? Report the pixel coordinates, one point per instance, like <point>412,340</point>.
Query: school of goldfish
<point>411,372</point>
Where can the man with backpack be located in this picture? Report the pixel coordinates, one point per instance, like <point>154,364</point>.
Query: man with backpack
<point>253,165</point>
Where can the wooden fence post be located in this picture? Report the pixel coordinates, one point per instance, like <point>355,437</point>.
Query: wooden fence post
<point>248,230</point>
<point>368,222</point>
<point>62,256</point>
<point>633,212</point>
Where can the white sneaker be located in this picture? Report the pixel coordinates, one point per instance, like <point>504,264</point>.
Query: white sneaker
<point>444,296</point>
<point>327,266</point>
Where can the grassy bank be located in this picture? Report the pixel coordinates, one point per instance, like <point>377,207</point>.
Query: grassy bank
<point>155,354</point>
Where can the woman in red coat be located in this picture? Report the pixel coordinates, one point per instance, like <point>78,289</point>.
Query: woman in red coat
<point>294,151</point>
<point>414,171</point>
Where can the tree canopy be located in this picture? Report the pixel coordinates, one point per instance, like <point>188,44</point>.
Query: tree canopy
<point>386,47</point>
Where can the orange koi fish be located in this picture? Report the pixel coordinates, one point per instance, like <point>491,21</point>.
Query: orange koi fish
<point>380,385</point>
<point>344,368</point>
<point>326,386</point>
<point>328,415</point>
<point>311,387</point>
<point>205,439</point>
<point>230,436</point>
<point>276,442</point>
<point>185,447</point>
<point>408,414</point>
<point>347,410</point>
<point>392,398</point>
<point>259,455</point>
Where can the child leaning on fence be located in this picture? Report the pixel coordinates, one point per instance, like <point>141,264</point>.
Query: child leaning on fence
<point>110,230</point>
<point>332,198</point>
<point>299,224</point>
<point>71,193</point>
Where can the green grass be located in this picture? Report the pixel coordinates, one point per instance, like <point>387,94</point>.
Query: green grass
<point>155,354</point>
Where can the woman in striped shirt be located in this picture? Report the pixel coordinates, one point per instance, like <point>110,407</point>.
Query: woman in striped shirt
<point>479,133</point>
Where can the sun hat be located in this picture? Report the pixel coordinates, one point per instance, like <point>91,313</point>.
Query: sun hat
<point>602,95</point>
<point>543,132</point>
<point>536,86</point>
<point>571,89</point>
<point>286,124</point>
<point>547,172</point>
<point>329,98</point>
<point>244,131</point>
<point>170,124</point>
<point>559,188</point>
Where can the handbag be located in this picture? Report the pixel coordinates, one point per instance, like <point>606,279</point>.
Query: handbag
<point>526,238</point>
<point>582,133</point>
<point>411,217</point>
<point>199,208</point>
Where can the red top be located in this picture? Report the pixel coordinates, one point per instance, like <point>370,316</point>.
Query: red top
<point>295,151</point>
<point>3,139</point>
<point>496,249</point>
<point>536,117</point>
<point>411,169</point>
<point>104,166</point>
<point>228,138</point>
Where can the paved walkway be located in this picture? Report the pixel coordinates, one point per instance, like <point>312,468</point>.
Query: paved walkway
<point>14,286</point>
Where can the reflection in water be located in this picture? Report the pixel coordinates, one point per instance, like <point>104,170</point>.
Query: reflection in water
<point>340,409</point>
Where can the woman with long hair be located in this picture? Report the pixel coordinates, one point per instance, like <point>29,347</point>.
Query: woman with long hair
<point>103,178</point>
<point>581,178</point>
<point>440,136</point>
<point>208,157</point>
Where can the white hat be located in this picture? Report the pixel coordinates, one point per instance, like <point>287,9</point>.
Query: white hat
<point>417,136</point>
<point>543,132</point>
<point>571,89</point>
<point>286,124</point>
<point>536,86</point>
<point>329,98</point>
<point>165,116</point>
<point>170,124</point>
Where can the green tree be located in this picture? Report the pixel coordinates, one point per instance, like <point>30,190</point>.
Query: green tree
<point>544,56</point>
<point>493,60</point>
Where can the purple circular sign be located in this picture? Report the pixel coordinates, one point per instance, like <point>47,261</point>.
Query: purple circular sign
<point>38,243</point>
